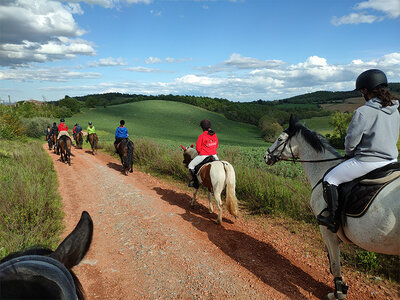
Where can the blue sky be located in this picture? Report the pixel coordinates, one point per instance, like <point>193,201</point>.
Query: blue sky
<point>242,50</point>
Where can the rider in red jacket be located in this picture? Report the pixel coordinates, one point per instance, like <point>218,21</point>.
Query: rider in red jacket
<point>207,144</point>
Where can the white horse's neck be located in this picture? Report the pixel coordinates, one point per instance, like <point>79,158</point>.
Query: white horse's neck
<point>315,171</point>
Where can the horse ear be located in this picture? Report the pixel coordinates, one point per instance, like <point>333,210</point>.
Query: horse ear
<point>183,148</point>
<point>292,124</point>
<point>75,246</point>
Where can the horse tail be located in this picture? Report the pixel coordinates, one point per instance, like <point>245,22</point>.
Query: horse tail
<point>231,200</point>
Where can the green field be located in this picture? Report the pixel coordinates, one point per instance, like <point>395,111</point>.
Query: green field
<point>166,120</point>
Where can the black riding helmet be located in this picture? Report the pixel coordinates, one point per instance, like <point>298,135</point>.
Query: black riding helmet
<point>370,79</point>
<point>54,124</point>
<point>205,124</point>
<point>122,122</point>
<point>62,120</point>
<point>90,123</point>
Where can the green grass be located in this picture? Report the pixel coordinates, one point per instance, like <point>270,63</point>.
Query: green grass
<point>166,120</point>
<point>319,124</point>
<point>30,208</point>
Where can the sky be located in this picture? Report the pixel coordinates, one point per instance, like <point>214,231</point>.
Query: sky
<point>240,50</point>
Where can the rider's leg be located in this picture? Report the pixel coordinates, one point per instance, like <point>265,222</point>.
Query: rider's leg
<point>344,172</point>
<point>195,161</point>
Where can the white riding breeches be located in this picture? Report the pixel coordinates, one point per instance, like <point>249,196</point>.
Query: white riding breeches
<point>61,133</point>
<point>352,169</point>
<point>198,159</point>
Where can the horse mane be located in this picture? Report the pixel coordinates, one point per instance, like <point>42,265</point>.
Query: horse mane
<point>315,140</point>
<point>46,252</point>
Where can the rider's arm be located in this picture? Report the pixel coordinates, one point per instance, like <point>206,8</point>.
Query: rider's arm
<point>354,133</point>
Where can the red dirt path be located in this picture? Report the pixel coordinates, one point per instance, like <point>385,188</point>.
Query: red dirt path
<point>149,243</point>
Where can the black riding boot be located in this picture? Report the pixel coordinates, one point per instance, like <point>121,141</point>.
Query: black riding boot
<point>194,182</point>
<point>331,197</point>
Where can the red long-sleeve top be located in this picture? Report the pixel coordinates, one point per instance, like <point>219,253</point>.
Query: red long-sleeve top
<point>207,144</point>
<point>62,127</point>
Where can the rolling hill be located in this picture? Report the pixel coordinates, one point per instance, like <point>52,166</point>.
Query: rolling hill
<point>166,120</point>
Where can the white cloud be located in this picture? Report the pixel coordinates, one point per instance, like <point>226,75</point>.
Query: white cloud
<point>354,18</point>
<point>46,74</point>
<point>39,31</point>
<point>108,62</point>
<point>390,9</point>
<point>146,70</point>
<point>241,62</point>
<point>153,60</point>
<point>155,13</point>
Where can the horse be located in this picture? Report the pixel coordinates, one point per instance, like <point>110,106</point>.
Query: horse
<point>378,230</point>
<point>53,141</point>
<point>40,273</point>
<point>64,145</point>
<point>93,139</point>
<point>215,176</point>
<point>79,139</point>
<point>125,150</point>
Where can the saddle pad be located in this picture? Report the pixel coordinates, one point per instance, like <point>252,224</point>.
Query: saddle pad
<point>361,198</point>
<point>205,161</point>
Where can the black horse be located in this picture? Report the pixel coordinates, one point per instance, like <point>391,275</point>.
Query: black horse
<point>125,150</point>
<point>44,274</point>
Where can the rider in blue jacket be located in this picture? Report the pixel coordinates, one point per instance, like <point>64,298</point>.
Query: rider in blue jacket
<point>120,134</point>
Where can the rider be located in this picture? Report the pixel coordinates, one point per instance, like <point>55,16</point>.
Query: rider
<point>206,145</point>
<point>54,129</point>
<point>62,130</point>
<point>76,130</point>
<point>120,134</point>
<point>90,130</point>
<point>370,141</point>
<point>48,133</point>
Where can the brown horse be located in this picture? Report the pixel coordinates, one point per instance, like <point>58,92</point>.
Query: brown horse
<point>64,145</point>
<point>78,137</point>
<point>53,141</point>
<point>125,150</point>
<point>93,140</point>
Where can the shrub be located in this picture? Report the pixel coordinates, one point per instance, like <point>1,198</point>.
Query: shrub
<point>36,127</point>
<point>10,125</point>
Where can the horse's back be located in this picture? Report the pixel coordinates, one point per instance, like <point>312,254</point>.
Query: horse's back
<point>378,229</point>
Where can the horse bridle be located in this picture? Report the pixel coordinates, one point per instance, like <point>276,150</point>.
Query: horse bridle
<point>277,158</point>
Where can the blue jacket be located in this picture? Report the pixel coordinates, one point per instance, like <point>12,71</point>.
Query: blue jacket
<point>78,129</point>
<point>121,132</point>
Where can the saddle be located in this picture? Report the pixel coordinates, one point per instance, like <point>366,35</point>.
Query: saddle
<point>355,197</point>
<point>207,160</point>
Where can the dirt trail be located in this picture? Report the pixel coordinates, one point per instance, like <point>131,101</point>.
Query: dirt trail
<point>149,243</point>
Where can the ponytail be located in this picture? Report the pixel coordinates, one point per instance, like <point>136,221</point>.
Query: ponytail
<point>384,95</point>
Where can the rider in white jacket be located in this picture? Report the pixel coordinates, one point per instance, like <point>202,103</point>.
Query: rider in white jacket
<point>370,141</point>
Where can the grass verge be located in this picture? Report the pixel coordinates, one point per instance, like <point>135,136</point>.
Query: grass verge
<point>30,208</point>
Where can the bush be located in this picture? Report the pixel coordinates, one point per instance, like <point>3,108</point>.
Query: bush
<point>10,125</point>
<point>36,127</point>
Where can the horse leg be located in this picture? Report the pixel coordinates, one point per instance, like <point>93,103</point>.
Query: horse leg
<point>332,244</point>
<point>194,197</point>
<point>210,202</point>
<point>217,196</point>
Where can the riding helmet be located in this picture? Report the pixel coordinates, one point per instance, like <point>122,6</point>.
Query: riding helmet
<point>370,79</point>
<point>205,124</point>
<point>62,120</point>
<point>122,122</point>
<point>54,124</point>
<point>76,124</point>
<point>90,123</point>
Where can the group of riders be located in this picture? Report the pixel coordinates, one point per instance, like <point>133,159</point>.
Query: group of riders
<point>62,130</point>
<point>370,143</point>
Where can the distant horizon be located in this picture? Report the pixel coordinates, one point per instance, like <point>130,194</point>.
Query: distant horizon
<point>241,50</point>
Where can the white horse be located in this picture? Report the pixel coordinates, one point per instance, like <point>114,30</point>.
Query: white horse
<point>378,230</point>
<point>215,176</point>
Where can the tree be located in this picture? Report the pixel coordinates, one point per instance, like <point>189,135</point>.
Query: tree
<point>340,122</point>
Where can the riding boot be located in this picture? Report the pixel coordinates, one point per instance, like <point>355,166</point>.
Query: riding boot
<point>194,181</point>
<point>331,197</point>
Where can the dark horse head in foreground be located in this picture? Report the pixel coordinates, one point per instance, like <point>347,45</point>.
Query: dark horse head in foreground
<point>44,274</point>
<point>64,145</point>
<point>125,150</point>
